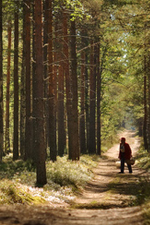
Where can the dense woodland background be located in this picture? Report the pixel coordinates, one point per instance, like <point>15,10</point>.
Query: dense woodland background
<point>72,73</point>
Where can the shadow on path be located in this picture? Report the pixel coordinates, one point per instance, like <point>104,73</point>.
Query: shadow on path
<point>104,201</point>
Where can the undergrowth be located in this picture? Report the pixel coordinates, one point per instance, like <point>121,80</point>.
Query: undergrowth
<point>64,178</point>
<point>143,159</point>
<point>68,173</point>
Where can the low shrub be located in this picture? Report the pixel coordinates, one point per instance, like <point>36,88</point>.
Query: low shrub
<point>66,172</point>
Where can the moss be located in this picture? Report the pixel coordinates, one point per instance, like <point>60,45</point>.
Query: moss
<point>11,193</point>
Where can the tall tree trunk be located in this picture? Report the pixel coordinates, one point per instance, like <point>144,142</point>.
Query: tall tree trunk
<point>52,116</point>
<point>39,94</point>
<point>148,131</point>
<point>61,128</point>
<point>7,139</point>
<point>67,80</point>
<point>28,148</point>
<point>16,93</point>
<point>22,94</point>
<point>74,88</point>
<point>1,85</point>
<point>82,113</point>
<point>45,39</point>
<point>34,152</point>
<point>87,101</point>
<point>56,71</point>
<point>92,144</point>
<point>22,109</point>
<point>98,99</point>
<point>145,105</point>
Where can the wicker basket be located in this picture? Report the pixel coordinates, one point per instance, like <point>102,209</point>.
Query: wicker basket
<point>130,161</point>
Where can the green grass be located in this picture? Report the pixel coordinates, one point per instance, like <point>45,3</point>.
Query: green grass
<point>66,172</point>
<point>18,180</point>
<point>12,192</point>
<point>143,159</point>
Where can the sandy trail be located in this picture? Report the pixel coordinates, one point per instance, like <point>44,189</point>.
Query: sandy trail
<point>96,193</point>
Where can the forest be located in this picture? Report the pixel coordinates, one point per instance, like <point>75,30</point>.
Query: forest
<point>72,74</point>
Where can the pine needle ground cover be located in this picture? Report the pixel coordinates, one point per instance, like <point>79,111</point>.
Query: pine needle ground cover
<point>17,180</point>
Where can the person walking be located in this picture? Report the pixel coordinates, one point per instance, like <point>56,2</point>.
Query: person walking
<point>125,153</point>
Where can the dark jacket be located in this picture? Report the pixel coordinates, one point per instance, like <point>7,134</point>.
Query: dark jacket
<point>128,153</point>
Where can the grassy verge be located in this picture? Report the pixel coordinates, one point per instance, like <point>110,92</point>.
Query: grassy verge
<point>143,158</point>
<point>17,180</point>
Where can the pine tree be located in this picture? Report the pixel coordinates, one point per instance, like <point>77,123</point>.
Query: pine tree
<point>39,94</point>
<point>1,85</point>
<point>7,139</point>
<point>16,85</point>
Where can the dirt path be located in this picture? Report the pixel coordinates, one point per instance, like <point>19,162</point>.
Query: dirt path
<point>100,204</point>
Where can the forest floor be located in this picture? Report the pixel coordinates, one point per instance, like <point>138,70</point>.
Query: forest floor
<point>106,199</point>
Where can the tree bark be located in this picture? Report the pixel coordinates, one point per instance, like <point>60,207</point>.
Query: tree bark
<point>145,105</point>
<point>82,113</point>
<point>74,89</point>
<point>67,80</point>
<point>92,144</point>
<point>52,114</point>
<point>148,131</point>
<point>1,85</point>
<point>34,151</point>
<point>16,93</point>
<point>23,94</point>
<point>61,58</point>
<point>7,139</point>
<point>98,99</point>
<point>87,101</point>
<point>28,141</point>
<point>46,78</point>
<point>39,94</point>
